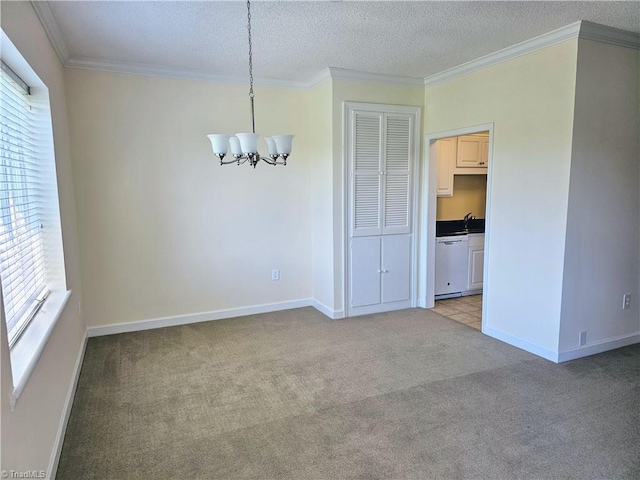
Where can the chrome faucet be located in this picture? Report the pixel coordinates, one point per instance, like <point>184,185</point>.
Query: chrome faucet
<point>468,217</point>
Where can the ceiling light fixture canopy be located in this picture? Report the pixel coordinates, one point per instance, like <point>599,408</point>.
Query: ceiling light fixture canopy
<point>244,146</point>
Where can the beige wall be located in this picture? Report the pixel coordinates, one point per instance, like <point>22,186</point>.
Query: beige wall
<point>469,195</point>
<point>164,230</point>
<point>353,91</point>
<point>30,432</point>
<point>603,239</point>
<point>320,143</point>
<point>530,101</point>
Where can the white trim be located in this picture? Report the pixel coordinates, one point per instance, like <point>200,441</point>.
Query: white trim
<point>319,79</point>
<point>380,308</point>
<point>581,29</point>
<point>520,343</point>
<point>610,35</point>
<point>486,283</point>
<point>50,25</point>
<point>523,48</point>
<point>357,76</point>
<point>427,232</point>
<point>161,322</point>
<point>322,308</point>
<point>28,349</point>
<point>598,347</point>
<point>167,72</point>
<point>66,412</point>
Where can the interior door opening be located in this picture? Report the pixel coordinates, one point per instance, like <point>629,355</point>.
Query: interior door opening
<point>455,232</point>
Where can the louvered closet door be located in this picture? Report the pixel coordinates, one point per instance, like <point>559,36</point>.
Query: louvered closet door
<point>366,190</point>
<point>396,168</point>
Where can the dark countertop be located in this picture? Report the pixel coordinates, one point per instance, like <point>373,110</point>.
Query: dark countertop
<point>445,228</point>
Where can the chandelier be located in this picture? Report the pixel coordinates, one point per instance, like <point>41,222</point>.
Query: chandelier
<point>244,146</point>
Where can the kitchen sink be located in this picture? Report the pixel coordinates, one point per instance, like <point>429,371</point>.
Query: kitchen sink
<point>464,231</point>
<point>446,228</point>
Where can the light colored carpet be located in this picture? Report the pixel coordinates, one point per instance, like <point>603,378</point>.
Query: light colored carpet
<point>294,395</point>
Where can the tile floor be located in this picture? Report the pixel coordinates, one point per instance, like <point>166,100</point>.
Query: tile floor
<point>467,310</point>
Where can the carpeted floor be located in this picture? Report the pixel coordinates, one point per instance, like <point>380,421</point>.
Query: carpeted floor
<point>293,395</point>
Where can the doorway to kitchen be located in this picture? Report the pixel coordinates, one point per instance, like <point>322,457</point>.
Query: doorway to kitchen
<point>463,309</point>
<point>455,223</point>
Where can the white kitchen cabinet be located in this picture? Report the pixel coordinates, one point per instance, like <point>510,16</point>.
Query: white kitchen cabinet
<point>472,151</point>
<point>476,262</point>
<point>446,151</point>
<point>380,273</point>
<point>484,152</point>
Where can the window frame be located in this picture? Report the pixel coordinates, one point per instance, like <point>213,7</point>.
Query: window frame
<point>28,348</point>
<point>26,257</point>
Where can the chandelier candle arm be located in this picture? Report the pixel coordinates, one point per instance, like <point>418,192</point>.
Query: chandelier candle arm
<point>244,146</point>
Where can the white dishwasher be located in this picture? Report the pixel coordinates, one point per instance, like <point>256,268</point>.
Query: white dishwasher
<point>452,268</point>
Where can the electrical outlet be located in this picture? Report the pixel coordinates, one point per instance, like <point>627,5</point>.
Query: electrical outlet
<point>626,301</point>
<point>275,274</point>
<point>582,339</point>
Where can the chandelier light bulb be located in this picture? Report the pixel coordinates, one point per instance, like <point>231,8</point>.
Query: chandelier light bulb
<point>235,146</point>
<point>283,143</point>
<point>248,142</point>
<point>271,146</point>
<point>219,142</point>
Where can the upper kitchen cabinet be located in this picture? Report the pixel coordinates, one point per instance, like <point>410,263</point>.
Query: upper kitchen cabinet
<point>463,155</point>
<point>446,149</point>
<point>472,151</point>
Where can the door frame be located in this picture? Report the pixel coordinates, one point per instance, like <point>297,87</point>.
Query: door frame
<point>414,196</point>
<point>428,201</point>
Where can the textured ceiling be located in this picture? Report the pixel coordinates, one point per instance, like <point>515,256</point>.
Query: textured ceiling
<point>294,41</point>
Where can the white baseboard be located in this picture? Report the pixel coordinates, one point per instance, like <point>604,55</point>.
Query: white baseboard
<point>379,308</point>
<point>423,303</point>
<point>598,347</point>
<point>321,307</point>
<point>520,343</point>
<point>195,317</point>
<point>66,411</point>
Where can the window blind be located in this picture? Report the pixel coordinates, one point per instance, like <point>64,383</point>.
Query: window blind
<point>21,238</point>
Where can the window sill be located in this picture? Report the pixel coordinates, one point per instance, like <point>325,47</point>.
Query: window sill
<point>26,352</point>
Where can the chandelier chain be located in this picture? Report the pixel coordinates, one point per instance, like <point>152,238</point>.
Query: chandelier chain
<point>250,49</point>
<point>244,145</point>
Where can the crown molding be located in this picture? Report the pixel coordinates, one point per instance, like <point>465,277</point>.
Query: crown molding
<point>583,30</point>
<point>610,35</point>
<point>320,78</point>
<point>355,75</point>
<point>50,25</point>
<point>179,73</point>
<point>517,50</point>
<point>158,71</point>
